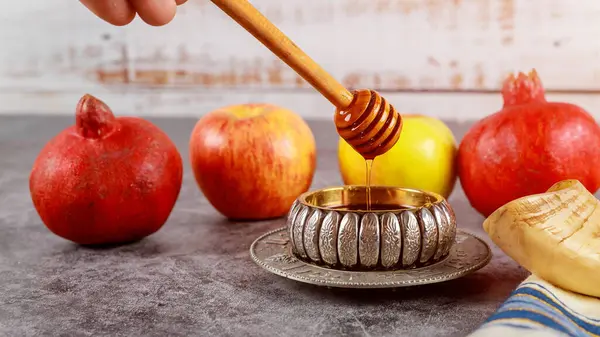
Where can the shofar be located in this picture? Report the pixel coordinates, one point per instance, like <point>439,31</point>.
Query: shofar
<point>555,235</point>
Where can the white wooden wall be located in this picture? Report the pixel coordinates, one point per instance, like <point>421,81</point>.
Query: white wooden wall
<point>444,58</point>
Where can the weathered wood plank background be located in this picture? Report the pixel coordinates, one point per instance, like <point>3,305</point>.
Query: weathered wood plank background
<point>439,57</point>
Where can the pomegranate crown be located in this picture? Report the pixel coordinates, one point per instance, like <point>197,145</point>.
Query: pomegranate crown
<point>93,118</point>
<point>523,88</point>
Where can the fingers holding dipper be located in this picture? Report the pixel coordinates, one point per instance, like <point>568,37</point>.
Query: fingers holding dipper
<point>122,12</point>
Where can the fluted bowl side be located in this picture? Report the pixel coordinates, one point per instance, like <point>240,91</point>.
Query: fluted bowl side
<point>405,228</point>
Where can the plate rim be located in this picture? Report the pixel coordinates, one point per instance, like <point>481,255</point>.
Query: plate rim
<point>373,285</point>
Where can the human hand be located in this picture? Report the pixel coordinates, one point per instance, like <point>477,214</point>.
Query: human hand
<point>122,12</point>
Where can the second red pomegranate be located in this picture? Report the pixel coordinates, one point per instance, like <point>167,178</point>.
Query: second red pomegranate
<point>527,146</point>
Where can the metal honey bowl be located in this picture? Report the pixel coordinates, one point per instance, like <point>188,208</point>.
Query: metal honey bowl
<point>405,228</point>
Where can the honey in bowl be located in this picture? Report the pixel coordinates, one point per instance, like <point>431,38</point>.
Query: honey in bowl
<point>354,198</point>
<point>368,206</point>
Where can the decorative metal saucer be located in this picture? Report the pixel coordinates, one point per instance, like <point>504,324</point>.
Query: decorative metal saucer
<point>272,251</point>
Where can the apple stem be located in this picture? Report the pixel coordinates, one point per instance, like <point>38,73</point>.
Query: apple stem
<point>93,118</point>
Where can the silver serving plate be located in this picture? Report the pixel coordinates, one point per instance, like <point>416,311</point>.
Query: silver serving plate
<point>273,252</point>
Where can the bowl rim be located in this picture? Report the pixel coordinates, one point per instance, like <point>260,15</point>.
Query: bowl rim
<point>438,198</point>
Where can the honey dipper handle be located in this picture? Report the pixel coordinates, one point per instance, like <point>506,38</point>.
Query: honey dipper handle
<point>263,30</point>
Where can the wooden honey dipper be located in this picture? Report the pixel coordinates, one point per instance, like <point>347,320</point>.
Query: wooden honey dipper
<point>363,118</point>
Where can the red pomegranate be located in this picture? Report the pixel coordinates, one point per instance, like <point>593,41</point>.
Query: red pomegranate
<point>527,146</point>
<point>106,180</point>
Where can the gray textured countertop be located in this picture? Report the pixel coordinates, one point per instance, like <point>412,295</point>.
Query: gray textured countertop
<point>195,277</point>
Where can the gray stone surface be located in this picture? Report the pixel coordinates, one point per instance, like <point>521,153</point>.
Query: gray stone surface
<point>195,277</point>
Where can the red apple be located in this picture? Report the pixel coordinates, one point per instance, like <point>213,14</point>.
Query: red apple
<point>252,161</point>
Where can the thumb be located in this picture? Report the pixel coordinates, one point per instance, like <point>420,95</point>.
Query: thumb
<point>116,12</point>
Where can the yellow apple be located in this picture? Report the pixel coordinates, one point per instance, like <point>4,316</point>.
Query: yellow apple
<point>423,158</point>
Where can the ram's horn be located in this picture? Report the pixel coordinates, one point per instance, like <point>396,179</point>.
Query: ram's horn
<point>555,235</point>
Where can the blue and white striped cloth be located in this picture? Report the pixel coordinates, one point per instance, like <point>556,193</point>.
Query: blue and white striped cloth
<point>538,309</point>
